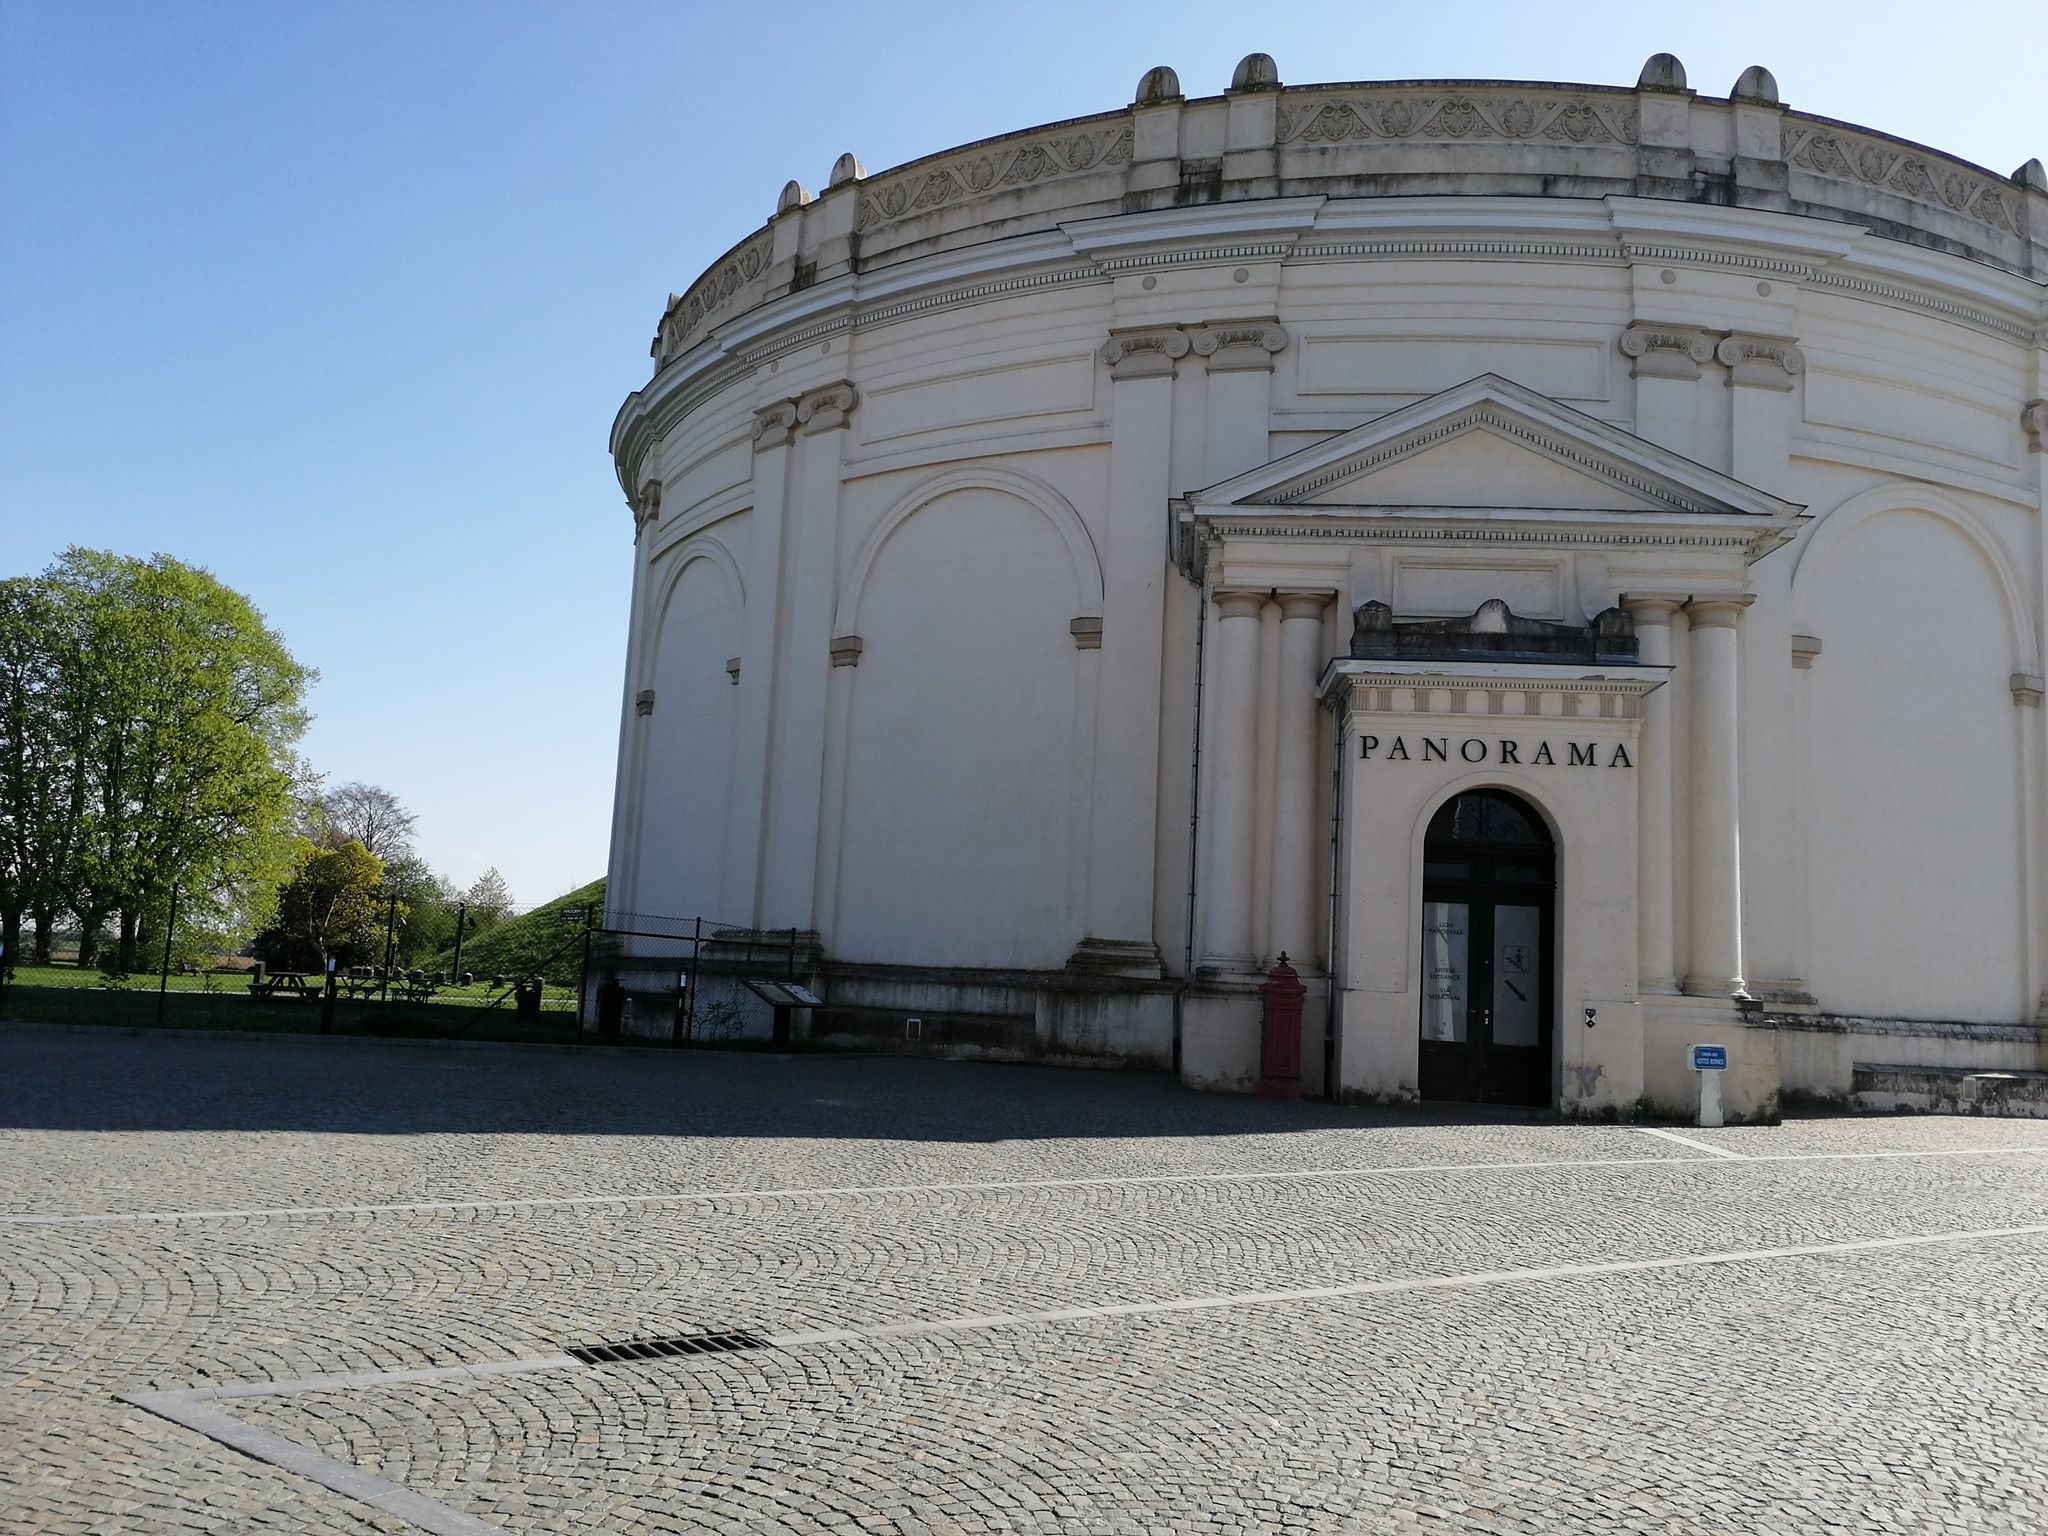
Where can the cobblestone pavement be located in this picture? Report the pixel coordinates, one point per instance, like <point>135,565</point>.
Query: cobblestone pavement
<point>188,1214</point>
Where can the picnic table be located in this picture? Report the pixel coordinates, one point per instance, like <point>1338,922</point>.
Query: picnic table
<point>285,984</point>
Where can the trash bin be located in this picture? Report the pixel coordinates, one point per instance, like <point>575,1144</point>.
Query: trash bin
<point>611,1008</point>
<point>526,999</point>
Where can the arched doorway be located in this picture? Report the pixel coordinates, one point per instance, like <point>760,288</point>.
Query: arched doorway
<point>1489,931</point>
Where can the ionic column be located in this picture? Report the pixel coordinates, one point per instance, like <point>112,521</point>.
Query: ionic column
<point>1291,911</point>
<point>1230,772</point>
<point>1716,810</point>
<point>1655,864</point>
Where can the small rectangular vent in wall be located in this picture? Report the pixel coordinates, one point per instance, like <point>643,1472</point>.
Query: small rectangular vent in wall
<point>666,1349</point>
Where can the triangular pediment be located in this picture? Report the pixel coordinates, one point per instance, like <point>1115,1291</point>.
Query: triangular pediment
<point>1492,445</point>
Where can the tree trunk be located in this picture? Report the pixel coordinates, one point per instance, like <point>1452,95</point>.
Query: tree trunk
<point>45,920</point>
<point>10,937</point>
<point>125,956</point>
<point>89,937</point>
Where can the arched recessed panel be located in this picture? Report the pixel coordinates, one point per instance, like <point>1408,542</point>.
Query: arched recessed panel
<point>1913,798</point>
<point>960,757</point>
<point>687,774</point>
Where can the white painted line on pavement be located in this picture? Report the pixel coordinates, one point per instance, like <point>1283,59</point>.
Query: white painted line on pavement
<point>1387,1287</point>
<point>1687,1141</point>
<point>190,1408</point>
<point>515,1203</point>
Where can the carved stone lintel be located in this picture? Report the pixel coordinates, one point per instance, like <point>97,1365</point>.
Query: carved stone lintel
<point>774,425</point>
<point>1145,354</point>
<point>846,651</point>
<point>1666,351</point>
<point>2026,689</point>
<point>643,704</point>
<point>1767,362</point>
<point>822,410</point>
<point>1087,633</point>
<point>1804,649</point>
<point>1240,344</point>
<point>732,670</point>
<point>2034,422</point>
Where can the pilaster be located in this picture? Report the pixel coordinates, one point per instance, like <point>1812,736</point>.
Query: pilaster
<point>627,785</point>
<point>1291,925</point>
<point>1238,360</point>
<point>1666,362</point>
<point>795,766</point>
<point>774,432</point>
<point>1124,806</point>
<point>1656,871</point>
<point>1228,783</point>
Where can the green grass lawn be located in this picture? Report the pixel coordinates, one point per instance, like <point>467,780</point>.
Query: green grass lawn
<point>235,983</point>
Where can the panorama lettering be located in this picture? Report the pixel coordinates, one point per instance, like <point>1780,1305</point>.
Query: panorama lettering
<point>1480,749</point>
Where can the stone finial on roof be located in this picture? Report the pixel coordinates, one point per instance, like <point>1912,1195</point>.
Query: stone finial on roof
<point>1157,86</point>
<point>1661,72</point>
<point>1255,72</point>
<point>1758,85</point>
<point>794,195</point>
<point>845,169</point>
<point>2032,175</point>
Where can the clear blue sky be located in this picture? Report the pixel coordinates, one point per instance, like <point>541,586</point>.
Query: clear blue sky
<point>338,300</point>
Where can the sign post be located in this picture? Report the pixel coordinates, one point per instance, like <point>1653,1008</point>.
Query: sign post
<point>1708,1063</point>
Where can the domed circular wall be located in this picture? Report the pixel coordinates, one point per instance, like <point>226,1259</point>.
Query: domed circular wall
<point>1075,568</point>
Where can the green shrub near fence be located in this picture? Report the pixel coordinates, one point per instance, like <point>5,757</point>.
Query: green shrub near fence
<point>232,1007</point>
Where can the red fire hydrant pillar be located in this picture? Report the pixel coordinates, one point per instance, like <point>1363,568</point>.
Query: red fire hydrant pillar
<point>1280,1033</point>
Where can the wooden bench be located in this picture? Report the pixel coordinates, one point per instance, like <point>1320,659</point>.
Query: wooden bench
<point>285,984</point>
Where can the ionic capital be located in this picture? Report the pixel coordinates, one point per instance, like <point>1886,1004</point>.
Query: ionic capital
<point>1766,362</point>
<point>1235,345</point>
<point>823,410</point>
<point>774,425</point>
<point>2034,422</point>
<point>1718,611</point>
<point>1241,605</point>
<point>647,507</point>
<point>1666,351</point>
<point>1144,354</point>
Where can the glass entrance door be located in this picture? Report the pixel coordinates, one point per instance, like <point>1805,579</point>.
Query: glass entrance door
<point>1488,934</point>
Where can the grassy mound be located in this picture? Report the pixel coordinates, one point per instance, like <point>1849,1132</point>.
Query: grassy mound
<point>534,943</point>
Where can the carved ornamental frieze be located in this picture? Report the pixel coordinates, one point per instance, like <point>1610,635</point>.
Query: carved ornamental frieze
<point>1461,115</point>
<point>1829,151</point>
<point>711,295</point>
<point>1020,163</point>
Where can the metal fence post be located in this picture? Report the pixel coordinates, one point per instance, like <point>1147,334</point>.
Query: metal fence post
<point>583,981</point>
<point>455,971</point>
<point>696,972</point>
<point>390,949</point>
<point>163,985</point>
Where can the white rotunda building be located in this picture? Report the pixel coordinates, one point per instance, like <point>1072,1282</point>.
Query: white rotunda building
<point>1561,563</point>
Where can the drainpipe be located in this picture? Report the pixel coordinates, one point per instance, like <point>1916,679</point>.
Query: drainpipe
<point>1331,940</point>
<point>1187,964</point>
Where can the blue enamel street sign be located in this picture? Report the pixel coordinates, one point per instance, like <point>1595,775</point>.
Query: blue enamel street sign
<point>1710,1058</point>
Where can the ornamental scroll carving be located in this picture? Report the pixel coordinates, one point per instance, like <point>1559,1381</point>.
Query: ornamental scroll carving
<point>823,409</point>
<point>1556,119</point>
<point>1143,354</point>
<point>1770,362</point>
<point>647,508</point>
<point>1666,351</point>
<point>923,188</point>
<point>1248,344</point>
<point>2034,422</point>
<point>1894,167</point>
<point>710,294</point>
<point>774,425</point>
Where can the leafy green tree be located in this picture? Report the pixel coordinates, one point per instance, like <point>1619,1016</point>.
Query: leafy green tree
<point>369,814</point>
<point>186,708</point>
<point>334,904</point>
<point>41,793</point>
<point>489,900</point>
<point>430,902</point>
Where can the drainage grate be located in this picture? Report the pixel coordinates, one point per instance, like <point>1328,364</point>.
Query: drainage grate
<point>666,1349</point>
